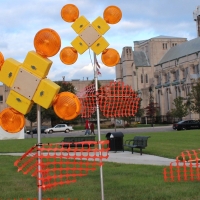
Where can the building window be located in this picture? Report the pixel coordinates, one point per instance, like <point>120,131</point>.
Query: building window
<point>164,45</point>
<point>141,78</point>
<point>195,69</point>
<point>166,80</point>
<point>1,98</point>
<point>134,73</point>
<point>185,72</point>
<point>146,78</point>
<point>174,44</point>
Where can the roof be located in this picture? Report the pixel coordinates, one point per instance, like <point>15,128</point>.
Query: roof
<point>158,37</point>
<point>167,37</point>
<point>181,50</point>
<point>140,59</point>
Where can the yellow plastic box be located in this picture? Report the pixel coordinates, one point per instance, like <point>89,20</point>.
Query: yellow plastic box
<point>9,71</point>
<point>79,45</point>
<point>19,102</point>
<point>99,45</point>
<point>80,24</point>
<point>36,64</point>
<point>25,83</point>
<point>45,93</point>
<point>100,25</point>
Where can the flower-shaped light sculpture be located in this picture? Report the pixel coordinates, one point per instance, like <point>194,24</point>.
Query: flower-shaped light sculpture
<point>90,35</point>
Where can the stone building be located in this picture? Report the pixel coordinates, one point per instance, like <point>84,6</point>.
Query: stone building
<point>136,67</point>
<point>175,74</point>
<point>169,65</point>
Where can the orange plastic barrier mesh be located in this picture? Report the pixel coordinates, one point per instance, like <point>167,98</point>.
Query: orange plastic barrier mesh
<point>118,100</point>
<point>62,163</point>
<point>114,99</point>
<point>87,98</point>
<point>185,168</point>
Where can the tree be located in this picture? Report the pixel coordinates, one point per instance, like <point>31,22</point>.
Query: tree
<point>181,109</point>
<point>32,117</point>
<point>195,96</point>
<point>140,111</point>
<point>152,108</point>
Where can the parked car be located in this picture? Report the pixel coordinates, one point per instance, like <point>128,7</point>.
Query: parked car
<point>59,128</point>
<point>186,125</point>
<point>34,131</point>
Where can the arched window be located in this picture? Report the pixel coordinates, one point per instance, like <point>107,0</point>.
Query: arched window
<point>146,78</point>
<point>142,78</point>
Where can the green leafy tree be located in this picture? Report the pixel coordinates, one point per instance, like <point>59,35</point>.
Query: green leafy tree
<point>140,111</point>
<point>152,107</point>
<point>195,97</point>
<point>32,117</point>
<point>181,109</point>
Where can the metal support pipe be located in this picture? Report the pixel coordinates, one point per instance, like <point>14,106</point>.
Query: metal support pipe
<point>98,125</point>
<point>39,152</point>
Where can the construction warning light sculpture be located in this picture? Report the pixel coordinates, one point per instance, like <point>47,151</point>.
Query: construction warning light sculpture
<point>62,163</point>
<point>29,84</point>
<point>185,168</point>
<point>115,100</point>
<point>90,35</point>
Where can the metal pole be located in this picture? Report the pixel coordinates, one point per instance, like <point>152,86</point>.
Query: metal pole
<point>98,125</point>
<point>39,152</point>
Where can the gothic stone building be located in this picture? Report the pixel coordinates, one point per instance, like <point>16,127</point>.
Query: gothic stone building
<point>137,67</point>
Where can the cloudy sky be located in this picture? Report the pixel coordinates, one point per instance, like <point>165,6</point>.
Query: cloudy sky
<point>20,20</point>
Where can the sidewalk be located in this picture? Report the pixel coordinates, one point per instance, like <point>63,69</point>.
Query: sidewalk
<point>126,157</point>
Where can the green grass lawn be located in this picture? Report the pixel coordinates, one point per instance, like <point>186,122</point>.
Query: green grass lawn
<point>165,144</point>
<point>121,181</point>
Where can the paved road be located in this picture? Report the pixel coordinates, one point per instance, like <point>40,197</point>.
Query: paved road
<point>105,131</point>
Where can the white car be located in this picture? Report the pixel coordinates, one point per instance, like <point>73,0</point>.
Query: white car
<point>59,128</point>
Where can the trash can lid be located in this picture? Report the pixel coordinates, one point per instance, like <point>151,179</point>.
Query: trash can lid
<point>114,134</point>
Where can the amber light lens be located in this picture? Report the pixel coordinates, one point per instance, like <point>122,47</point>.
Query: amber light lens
<point>68,55</point>
<point>112,14</point>
<point>110,57</point>
<point>11,120</point>
<point>69,13</point>
<point>67,105</point>
<point>1,60</point>
<point>47,42</point>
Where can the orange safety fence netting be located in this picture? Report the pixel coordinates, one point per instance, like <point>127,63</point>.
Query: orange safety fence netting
<point>185,168</point>
<point>62,163</point>
<point>114,99</point>
<point>87,98</point>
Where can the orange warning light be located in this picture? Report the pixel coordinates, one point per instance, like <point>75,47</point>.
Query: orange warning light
<point>47,42</point>
<point>112,14</point>
<point>69,13</point>
<point>1,60</point>
<point>11,120</point>
<point>67,105</point>
<point>68,55</point>
<point>110,57</point>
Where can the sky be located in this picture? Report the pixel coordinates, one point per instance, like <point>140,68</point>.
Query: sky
<point>20,20</point>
